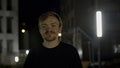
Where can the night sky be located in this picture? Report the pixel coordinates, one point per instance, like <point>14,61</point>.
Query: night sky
<point>29,10</point>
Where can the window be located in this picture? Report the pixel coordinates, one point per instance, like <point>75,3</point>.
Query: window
<point>0,24</point>
<point>9,4</point>
<point>9,46</point>
<point>9,24</point>
<point>0,46</point>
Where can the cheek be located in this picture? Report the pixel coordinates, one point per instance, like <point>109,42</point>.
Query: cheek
<point>42,32</point>
<point>56,29</point>
<point>59,29</point>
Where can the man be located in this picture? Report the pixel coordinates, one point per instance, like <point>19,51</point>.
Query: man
<point>52,53</point>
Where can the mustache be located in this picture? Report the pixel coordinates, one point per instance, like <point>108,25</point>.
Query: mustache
<point>49,32</point>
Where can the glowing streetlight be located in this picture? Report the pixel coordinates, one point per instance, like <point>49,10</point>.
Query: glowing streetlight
<point>23,30</point>
<point>99,23</point>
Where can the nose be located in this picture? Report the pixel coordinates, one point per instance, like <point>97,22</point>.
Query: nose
<point>49,28</point>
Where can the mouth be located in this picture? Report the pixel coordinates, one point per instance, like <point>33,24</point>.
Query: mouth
<point>50,32</point>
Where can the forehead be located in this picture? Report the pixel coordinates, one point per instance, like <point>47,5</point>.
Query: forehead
<point>50,19</point>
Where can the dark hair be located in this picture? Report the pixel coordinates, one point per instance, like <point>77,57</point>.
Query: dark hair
<point>50,13</point>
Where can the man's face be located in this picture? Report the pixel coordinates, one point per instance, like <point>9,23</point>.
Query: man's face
<point>49,28</point>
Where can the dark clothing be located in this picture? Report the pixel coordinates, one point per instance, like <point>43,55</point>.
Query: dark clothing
<point>62,56</point>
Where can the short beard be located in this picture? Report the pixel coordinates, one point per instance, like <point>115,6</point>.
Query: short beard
<point>49,40</point>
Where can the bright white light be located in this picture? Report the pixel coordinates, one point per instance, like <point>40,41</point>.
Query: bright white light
<point>99,23</point>
<point>59,34</point>
<point>23,30</point>
<point>80,53</point>
<point>27,52</point>
<point>16,59</point>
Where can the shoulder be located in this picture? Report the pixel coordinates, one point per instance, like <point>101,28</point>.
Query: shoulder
<point>35,49</point>
<point>66,45</point>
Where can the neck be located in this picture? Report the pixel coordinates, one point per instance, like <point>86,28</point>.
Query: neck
<point>51,44</point>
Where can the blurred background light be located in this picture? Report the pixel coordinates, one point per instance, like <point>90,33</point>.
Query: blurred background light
<point>59,34</point>
<point>27,52</point>
<point>16,59</point>
<point>23,30</point>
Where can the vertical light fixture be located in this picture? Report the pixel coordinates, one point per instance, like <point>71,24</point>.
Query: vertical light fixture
<point>99,23</point>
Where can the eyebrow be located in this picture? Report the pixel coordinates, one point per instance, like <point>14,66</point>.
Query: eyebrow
<point>54,23</point>
<point>43,24</point>
<point>46,24</point>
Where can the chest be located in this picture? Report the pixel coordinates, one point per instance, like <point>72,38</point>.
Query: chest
<point>52,58</point>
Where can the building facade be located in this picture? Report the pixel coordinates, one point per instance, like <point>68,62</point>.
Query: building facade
<point>70,31</point>
<point>9,47</point>
<point>77,24</point>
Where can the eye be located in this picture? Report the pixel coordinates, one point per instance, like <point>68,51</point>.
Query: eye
<point>43,26</point>
<point>53,25</point>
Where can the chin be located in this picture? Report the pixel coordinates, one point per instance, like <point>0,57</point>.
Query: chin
<point>50,39</point>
